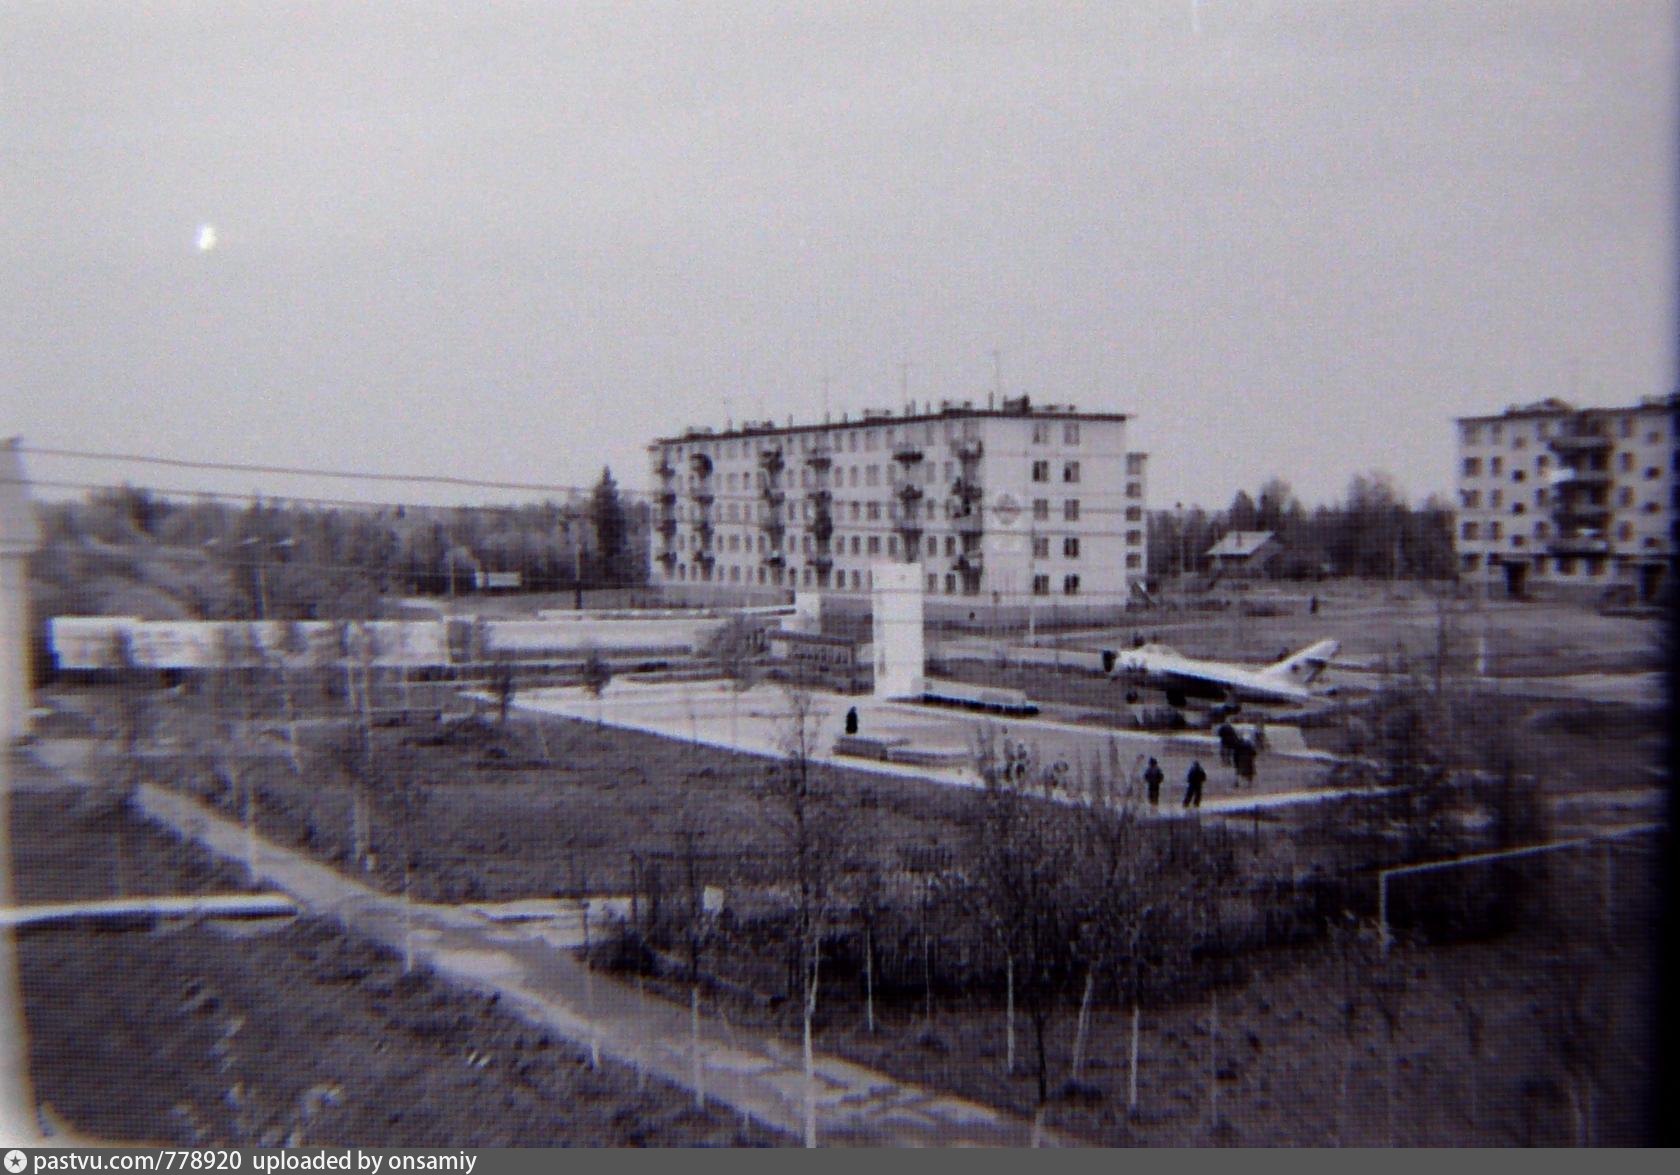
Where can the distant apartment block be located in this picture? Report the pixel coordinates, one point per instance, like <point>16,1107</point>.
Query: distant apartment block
<point>1570,495</point>
<point>999,506</point>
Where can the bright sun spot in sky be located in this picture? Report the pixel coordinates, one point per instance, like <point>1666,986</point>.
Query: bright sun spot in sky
<point>206,237</point>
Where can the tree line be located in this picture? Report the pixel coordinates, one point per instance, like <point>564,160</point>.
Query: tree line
<point>1371,532</point>
<point>130,549</point>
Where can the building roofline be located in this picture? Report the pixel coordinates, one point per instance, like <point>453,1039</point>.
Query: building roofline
<point>1564,408</point>
<point>1016,409</point>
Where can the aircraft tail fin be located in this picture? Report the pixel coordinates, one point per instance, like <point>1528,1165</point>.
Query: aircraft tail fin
<point>1301,668</point>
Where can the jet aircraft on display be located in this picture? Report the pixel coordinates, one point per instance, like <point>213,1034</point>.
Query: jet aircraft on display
<point>1181,678</point>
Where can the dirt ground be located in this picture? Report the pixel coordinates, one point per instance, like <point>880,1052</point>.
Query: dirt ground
<point>292,1032</point>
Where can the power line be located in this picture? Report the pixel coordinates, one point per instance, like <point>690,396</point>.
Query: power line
<point>298,471</point>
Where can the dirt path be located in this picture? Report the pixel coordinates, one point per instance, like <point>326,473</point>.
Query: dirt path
<point>761,1077</point>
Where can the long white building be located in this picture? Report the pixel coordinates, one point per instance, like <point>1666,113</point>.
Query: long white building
<point>1587,496</point>
<point>1009,506</point>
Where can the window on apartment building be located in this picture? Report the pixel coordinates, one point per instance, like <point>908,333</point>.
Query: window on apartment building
<point>1134,490</point>
<point>1134,561</point>
<point>1134,513</point>
<point>1624,462</point>
<point>1041,432</point>
<point>1468,531</point>
<point>1542,463</point>
<point>950,584</point>
<point>1041,585</point>
<point>872,475</point>
<point>1494,530</point>
<point>1496,499</point>
<point>1472,435</point>
<point>1496,465</point>
<point>1519,508</point>
<point>1041,509</point>
<point>1541,530</point>
<point>1070,472</point>
<point>1539,497</point>
<point>1520,475</point>
<point>1070,433</point>
<point>1624,496</point>
<point>1134,463</point>
<point>1472,467</point>
<point>1070,547</point>
<point>892,545</point>
<point>1070,585</point>
<point>1625,427</point>
<point>1470,499</point>
<point>933,582</point>
<point>1041,471</point>
<point>852,476</point>
<point>1624,532</point>
<point>1070,510</point>
<point>851,442</point>
<point>1651,507</point>
<point>1653,438</point>
<point>874,544</point>
<point>1518,540</point>
<point>1041,547</point>
<point>870,441</point>
<point>1495,433</point>
<point>931,545</point>
<point>874,511</point>
<point>1652,473</point>
<point>1519,442</point>
<point>1134,538</point>
<point>857,545</point>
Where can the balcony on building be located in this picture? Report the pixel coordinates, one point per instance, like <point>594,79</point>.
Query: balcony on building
<point>969,450</point>
<point>909,492</point>
<point>668,526</point>
<point>1579,544</point>
<point>911,532</point>
<point>665,471</point>
<point>908,452</point>
<point>1579,436</point>
<point>770,460</point>
<point>701,464</point>
<point>819,458</point>
<point>1571,513</point>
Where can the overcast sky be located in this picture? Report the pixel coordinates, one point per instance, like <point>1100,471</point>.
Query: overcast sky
<point>518,241</point>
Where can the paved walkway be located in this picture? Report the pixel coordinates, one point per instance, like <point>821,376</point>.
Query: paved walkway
<point>754,722</point>
<point>758,1076</point>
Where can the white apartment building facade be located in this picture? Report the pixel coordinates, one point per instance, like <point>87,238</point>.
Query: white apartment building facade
<point>1583,496</point>
<point>1000,506</point>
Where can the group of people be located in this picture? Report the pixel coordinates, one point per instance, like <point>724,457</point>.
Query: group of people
<point>1240,754</point>
<point>1154,777</point>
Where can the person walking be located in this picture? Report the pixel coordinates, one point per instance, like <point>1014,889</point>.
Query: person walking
<point>1243,756</point>
<point>1153,776</point>
<point>1193,784</point>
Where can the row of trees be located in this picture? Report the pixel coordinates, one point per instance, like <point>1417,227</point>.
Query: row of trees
<point>272,559</point>
<point>1371,532</point>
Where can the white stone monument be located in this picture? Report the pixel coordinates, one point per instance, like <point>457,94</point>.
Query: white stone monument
<point>896,601</point>
<point>807,614</point>
<point>19,535</point>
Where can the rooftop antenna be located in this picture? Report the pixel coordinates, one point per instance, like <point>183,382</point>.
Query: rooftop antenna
<point>825,395</point>
<point>997,373</point>
<point>904,385</point>
<point>728,416</point>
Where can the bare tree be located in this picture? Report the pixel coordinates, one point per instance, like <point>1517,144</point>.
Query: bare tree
<point>800,810</point>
